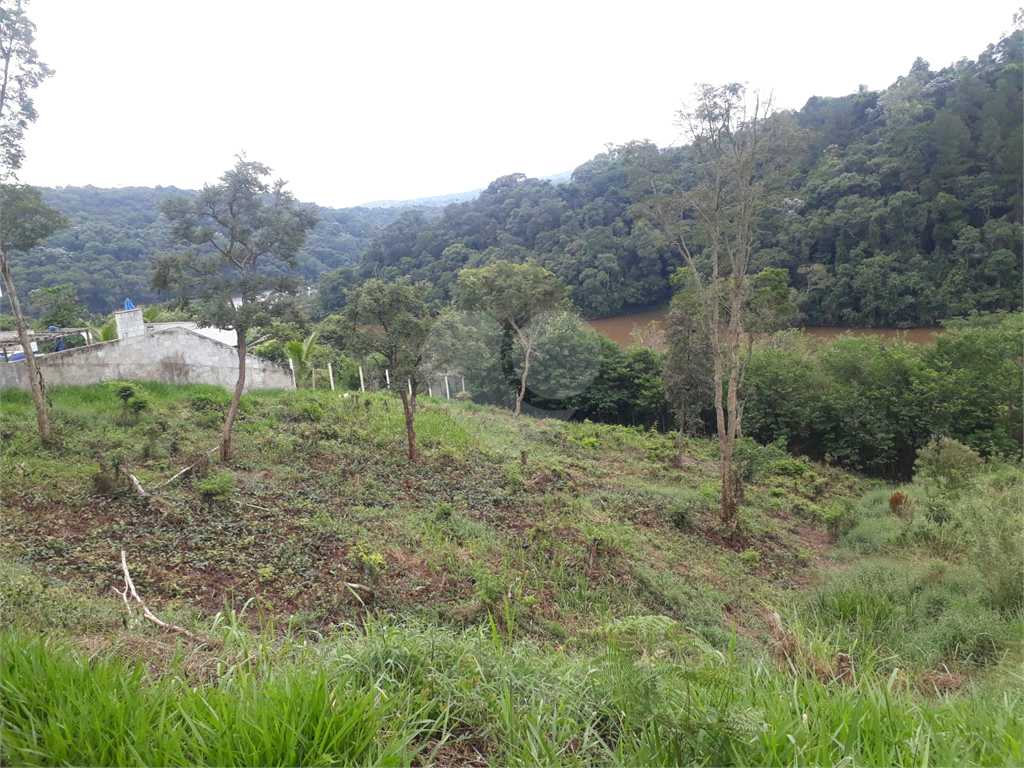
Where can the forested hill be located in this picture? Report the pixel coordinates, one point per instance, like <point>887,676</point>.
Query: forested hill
<point>107,253</point>
<point>907,210</point>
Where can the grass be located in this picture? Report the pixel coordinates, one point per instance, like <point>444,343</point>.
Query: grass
<point>531,592</point>
<point>392,695</point>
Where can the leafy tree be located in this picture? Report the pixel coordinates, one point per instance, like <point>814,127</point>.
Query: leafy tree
<point>470,343</point>
<point>230,227</point>
<point>26,220</point>
<point>59,306</point>
<point>22,73</point>
<point>687,377</point>
<point>565,357</point>
<point>971,379</point>
<point>513,294</point>
<point>743,153</point>
<point>393,320</point>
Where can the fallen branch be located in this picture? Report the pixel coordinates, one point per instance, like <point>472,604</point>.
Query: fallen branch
<point>129,587</point>
<point>247,504</point>
<point>135,481</point>
<point>189,468</point>
<point>353,585</point>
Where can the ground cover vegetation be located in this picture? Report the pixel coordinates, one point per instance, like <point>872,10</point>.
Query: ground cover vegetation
<point>528,592</point>
<point>906,209</point>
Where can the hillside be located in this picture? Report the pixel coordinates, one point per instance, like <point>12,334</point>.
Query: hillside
<point>530,588</point>
<point>906,209</point>
<point>107,252</point>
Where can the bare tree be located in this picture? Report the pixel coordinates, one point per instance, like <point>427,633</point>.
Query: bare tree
<point>741,152</point>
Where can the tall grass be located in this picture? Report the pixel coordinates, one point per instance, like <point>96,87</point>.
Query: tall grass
<point>59,708</point>
<point>395,694</point>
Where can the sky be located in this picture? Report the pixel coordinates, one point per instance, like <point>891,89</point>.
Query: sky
<point>359,101</point>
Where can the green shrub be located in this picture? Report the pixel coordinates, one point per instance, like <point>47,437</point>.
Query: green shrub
<point>873,536</point>
<point>755,460</point>
<point>947,465</point>
<point>370,563</point>
<point>133,401</point>
<point>684,512</point>
<point>310,412</point>
<point>217,486</point>
<point>214,400</point>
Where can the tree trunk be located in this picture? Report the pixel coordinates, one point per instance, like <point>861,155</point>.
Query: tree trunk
<point>409,406</point>
<point>522,386</point>
<point>682,434</point>
<point>732,479</point>
<point>35,376</point>
<point>225,438</point>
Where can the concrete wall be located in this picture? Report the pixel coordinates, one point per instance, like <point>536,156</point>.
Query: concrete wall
<point>174,356</point>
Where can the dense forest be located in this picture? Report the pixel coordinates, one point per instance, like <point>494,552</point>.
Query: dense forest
<point>906,210</point>
<point>107,254</point>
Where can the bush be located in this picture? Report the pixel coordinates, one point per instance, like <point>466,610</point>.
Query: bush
<point>949,466</point>
<point>133,401</point>
<point>684,512</point>
<point>873,536</point>
<point>216,486</point>
<point>215,400</point>
<point>310,412</point>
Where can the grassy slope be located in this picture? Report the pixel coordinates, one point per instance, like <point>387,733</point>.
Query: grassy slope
<point>496,619</point>
<point>579,533</point>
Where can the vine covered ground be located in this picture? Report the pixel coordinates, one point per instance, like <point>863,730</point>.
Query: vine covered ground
<point>530,592</point>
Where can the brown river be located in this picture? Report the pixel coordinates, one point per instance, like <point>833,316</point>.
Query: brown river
<point>618,329</point>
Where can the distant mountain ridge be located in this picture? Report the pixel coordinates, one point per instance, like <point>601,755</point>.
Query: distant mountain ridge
<point>439,201</point>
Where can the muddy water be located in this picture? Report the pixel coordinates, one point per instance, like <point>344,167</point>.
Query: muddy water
<point>618,329</point>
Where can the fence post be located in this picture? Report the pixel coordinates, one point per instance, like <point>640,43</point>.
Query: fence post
<point>362,385</point>
<point>387,377</point>
<point>292,366</point>
<point>447,392</point>
<point>330,372</point>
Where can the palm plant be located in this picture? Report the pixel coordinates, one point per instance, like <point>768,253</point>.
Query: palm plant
<point>105,332</point>
<point>301,355</point>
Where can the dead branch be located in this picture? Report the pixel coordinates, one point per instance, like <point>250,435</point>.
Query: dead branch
<point>129,586</point>
<point>189,468</point>
<point>135,481</point>
<point>253,506</point>
<point>353,585</point>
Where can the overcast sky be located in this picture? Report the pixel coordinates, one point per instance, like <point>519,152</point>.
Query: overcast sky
<point>359,101</point>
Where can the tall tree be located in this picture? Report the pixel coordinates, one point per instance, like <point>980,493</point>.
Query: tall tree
<point>231,226</point>
<point>393,320</point>
<point>743,151</point>
<point>22,73</point>
<point>25,221</point>
<point>513,294</point>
